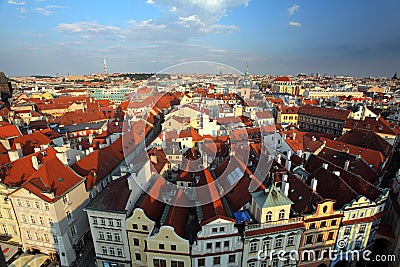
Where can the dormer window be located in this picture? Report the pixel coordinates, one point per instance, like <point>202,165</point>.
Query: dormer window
<point>282,215</point>
<point>269,217</point>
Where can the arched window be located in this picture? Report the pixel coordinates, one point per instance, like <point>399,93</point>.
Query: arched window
<point>269,216</point>
<point>282,215</point>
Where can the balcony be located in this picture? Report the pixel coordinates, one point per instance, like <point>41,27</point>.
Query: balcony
<point>260,226</point>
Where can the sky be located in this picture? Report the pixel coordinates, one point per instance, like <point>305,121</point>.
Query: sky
<point>278,37</point>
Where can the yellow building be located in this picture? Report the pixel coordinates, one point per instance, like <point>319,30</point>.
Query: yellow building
<point>321,229</point>
<point>288,114</point>
<point>9,228</point>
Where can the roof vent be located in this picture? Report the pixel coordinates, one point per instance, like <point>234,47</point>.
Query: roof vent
<point>60,179</point>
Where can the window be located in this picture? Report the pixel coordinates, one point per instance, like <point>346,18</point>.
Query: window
<point>215,230</point>
<point>266,244</point>
<point>201,262</point>
<point>218,245</point>
<point>161,246</point>
<point>27,204</point>
<point>101,235</point>
<point>173,247</point>
<point>37,236</point>
<point>209,245</point>
<point>323,224</point>
<point>117,237</point>
<point>309,239</point>
<point>290,241</point>
<point>51,223</point>
<point>144,227</point>
<point>46,206</point>
<point>253,246</point>
<point>264,264</point>
<point>102,221</point>
<point>226,244</point>
<point>138,257</point>
<point>37,205</point>
<point>269,216</point>
<point>95,220</point>
<point>118,223</point>
<point>23,218</point>
<point>41,220</point>
<point>278,243</point>
<point>33,220</point>
<point>65,199</point>
<point>134,226</point>
<point>19,203</point>
<point>73,230</point>
<point>69,215</point>
<point>104,250</point>
<point>320,238</point>
<point>46,237</point>
<point>177,264</point>
<point>109,236</point>
<point>362,228</point>
<point>312,225</point>
<point>222,229</point>
<point>275,262</point>
<point>159,263</point>
<point>110,222</point>
<point>232,258</point>
<point>347,230</point>
<point>251,264</point>
<point>330,235</point>
<point>282,215</point>
<point>136,242</point>
<point>112,251</point>
<point>55,239</point>
<point>119,252</point>
<point>217,260</point>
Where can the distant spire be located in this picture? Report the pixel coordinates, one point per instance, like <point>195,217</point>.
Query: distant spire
<point>105,65</point>
<point>394,76</point>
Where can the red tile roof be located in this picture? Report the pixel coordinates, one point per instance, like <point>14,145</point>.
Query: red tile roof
<point>70,118</point>
<point>9,131</point>
<point>366,139</point>
<point>328,113</point>
<point>31,141</point>
<point>371,156</point>
<point>282,79</point>
<point>378,125</point>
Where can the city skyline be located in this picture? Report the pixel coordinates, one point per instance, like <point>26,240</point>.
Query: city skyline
<point>285,37</point>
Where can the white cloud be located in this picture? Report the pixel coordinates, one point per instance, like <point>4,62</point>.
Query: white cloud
<point>43,11</point>
<point>22,10</point>
<point>150,2</point>
<point>11,2</point>
<point>293,9</point>
<point>295,24</point>
<point>47,10</point>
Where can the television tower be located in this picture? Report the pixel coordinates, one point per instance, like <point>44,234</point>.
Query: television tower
<point>105,65</point>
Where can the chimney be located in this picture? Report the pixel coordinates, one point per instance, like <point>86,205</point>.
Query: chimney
<point>337,173</point>
<point>313,138</point>
<point>131,181</point>
<point>294,135</point>
<point>314,183</point>
<point>325,166</point>
<point>19,149</point>
<point>285,185</point>
<point>299,153</point>
<point>30,131</point>
<point>288,165</point>
<point>35,163</point>
<point>90,139</point>
<point>90,149</point>
<point>78,157</point>
<point>108,141</point>
<point>284,136</point>
<point>346,165</point>
<point>80,147</point>
<point>278,158</point>
<point>289,154</point>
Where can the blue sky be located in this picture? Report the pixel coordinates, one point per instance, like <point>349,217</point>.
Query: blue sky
<point>343,37</point>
